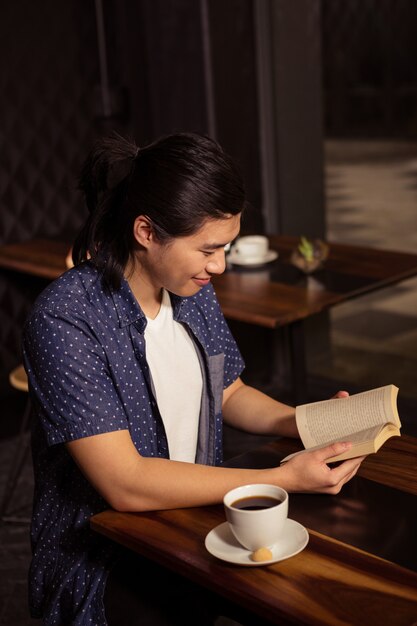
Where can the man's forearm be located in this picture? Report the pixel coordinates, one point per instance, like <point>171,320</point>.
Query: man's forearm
<point>253,411</point>
<point>131,482</point>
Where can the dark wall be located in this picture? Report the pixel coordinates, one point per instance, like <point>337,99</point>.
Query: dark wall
<point>48,70</point>
<point>298,117</point>
<point>190,66</point>
<point>48,67</point>
<point>370,69</point>
<point>235,87</point>
<point>163,66</point>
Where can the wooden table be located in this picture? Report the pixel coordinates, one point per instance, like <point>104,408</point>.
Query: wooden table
<point>44,258</point>
<point>359,567</point>
<point>271,296</point>
<point>278,294</point>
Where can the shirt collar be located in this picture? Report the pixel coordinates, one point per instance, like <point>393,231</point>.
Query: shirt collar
<point>129,311</point>
<point>127,307</point>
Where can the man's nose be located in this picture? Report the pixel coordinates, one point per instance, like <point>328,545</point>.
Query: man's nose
<point>217,263</point>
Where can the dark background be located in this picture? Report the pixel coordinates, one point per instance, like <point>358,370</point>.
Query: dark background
<point>270,79</point>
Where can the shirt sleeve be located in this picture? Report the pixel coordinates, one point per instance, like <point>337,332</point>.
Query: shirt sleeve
<point>69,378</point>
<point>221,338</point>
<point>233,360</point>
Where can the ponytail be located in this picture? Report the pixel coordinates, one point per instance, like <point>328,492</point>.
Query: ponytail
<point>103,181</point>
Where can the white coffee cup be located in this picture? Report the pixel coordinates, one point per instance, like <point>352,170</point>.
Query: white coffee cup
<point>251,247</point>
<point>258,528</point>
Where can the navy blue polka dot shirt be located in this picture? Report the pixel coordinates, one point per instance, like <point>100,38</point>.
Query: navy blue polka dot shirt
<point>84,352</point>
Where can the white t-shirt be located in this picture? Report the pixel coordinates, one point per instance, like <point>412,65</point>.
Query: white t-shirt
<point>177,379</point>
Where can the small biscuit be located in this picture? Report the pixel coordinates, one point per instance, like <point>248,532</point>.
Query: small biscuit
<point>261,554</point>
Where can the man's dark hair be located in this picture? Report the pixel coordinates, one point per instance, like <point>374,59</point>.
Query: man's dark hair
<point>178,182</point>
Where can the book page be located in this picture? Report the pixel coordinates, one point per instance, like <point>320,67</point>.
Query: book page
<point>336,419</point>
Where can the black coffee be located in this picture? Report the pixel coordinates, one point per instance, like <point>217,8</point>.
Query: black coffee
<point>256,503</point>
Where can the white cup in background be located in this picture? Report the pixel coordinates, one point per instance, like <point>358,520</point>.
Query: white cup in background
<point>251,247</point>
<point>258,527</point>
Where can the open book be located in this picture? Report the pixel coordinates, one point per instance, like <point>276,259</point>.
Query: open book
<point>366,419</point>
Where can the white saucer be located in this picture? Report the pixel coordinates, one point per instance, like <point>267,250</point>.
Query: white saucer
<point>236,259</point>
<point>220,542</point>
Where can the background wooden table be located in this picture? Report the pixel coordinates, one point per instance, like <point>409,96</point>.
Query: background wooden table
<point>277,294</point>
<point>271,296</point>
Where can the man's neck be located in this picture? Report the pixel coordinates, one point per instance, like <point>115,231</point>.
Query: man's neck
<point>148,296</point>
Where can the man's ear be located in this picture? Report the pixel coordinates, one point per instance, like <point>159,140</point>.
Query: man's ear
<point>143,231</point>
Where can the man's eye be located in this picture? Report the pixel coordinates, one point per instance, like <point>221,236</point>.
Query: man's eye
<point>207,252</point>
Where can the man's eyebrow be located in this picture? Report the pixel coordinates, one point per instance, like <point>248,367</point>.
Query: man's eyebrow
<point>214,246</point>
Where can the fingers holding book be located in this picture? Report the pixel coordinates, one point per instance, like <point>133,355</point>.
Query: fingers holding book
<point>310,471</point>
<point>341,394</point>
<point>342,471</point>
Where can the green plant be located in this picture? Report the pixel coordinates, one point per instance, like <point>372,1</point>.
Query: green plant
<point>306,249</point>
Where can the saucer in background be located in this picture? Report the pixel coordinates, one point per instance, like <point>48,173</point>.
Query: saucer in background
<point>237,259</point>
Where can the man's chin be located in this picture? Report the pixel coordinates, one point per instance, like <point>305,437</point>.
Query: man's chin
<point>189,290</point>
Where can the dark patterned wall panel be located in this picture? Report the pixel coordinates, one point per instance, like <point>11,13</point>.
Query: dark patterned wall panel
<point>48,64</point>
<point>48,75</point>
